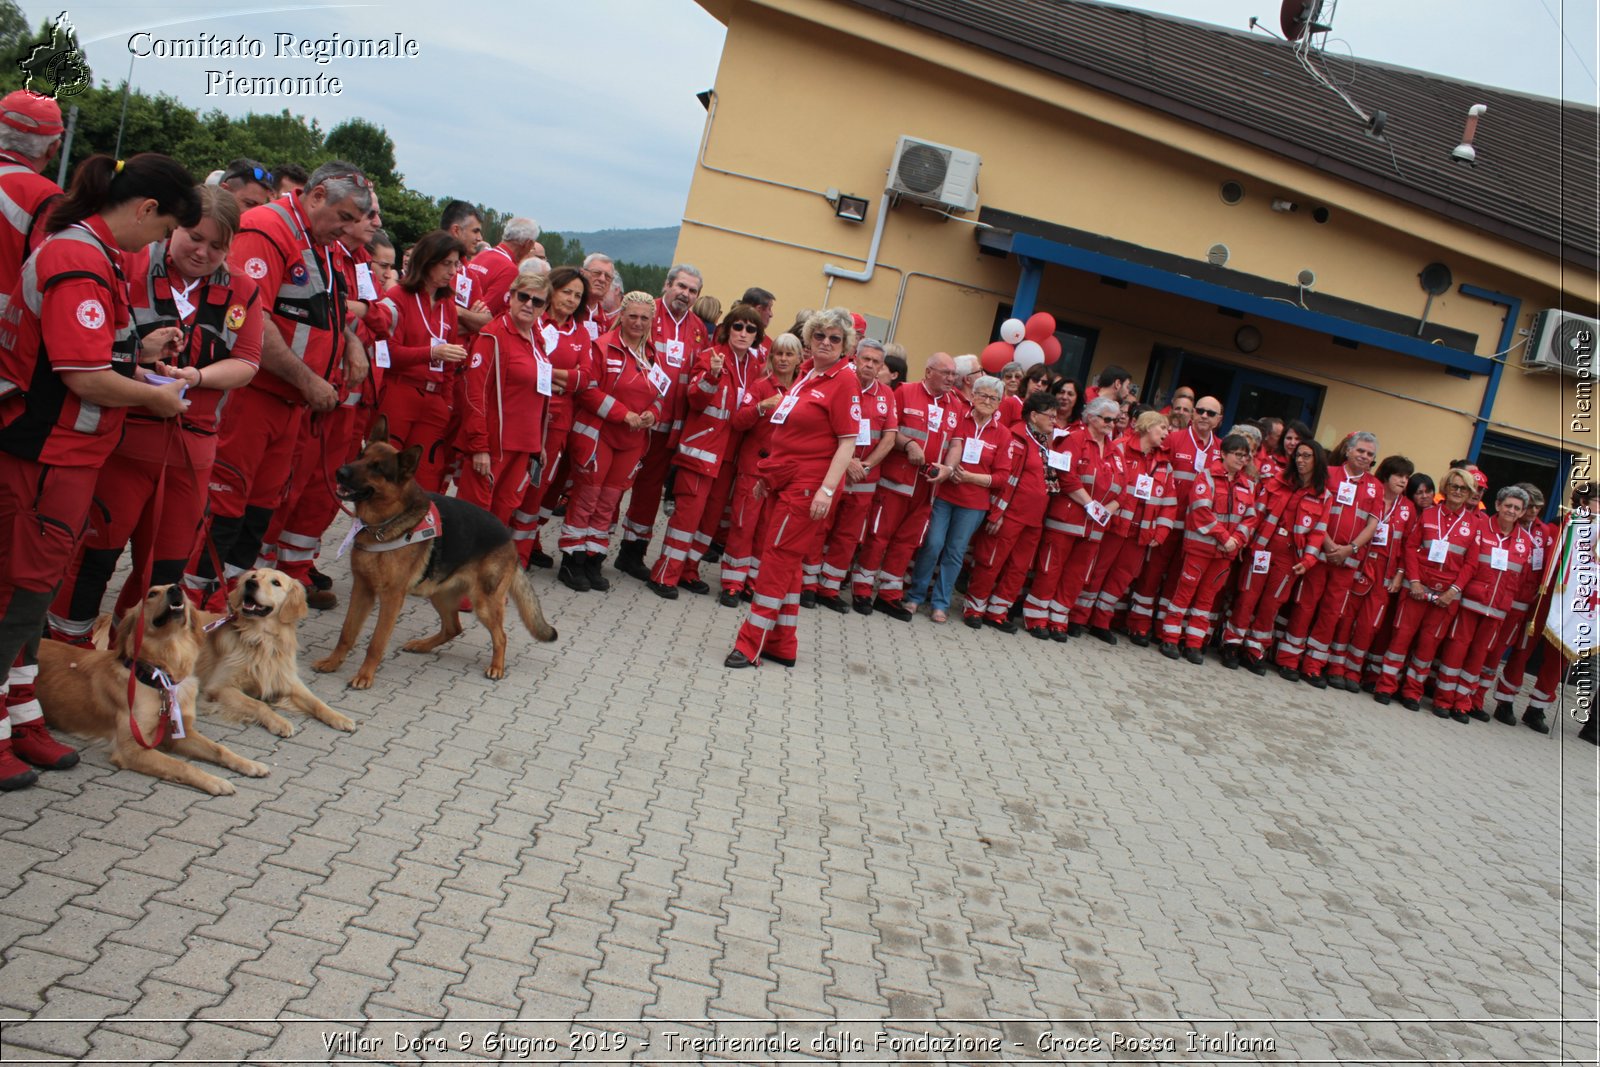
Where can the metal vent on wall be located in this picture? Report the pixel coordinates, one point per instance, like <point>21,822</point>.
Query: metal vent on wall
<point>1218,255</point>
<point>1231,192</point>
<point>923,168</point>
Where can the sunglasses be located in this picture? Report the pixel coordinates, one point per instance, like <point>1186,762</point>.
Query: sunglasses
<point>743,327</point>
<point>529,298</point>
<point>256,173</point>
<point>1210,412</point>
<point>828,339</point>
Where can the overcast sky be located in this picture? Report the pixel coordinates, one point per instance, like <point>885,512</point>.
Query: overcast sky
<point>583,113</point>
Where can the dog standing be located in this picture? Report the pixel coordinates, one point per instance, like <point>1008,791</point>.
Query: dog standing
<point>86,693</point>
<point>432,545</point>
<point>249,660</point>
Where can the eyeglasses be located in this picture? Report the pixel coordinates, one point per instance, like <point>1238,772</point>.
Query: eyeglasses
<point>1240,452</point>
<point>529,298</point>
<point>1209,412</point>
<point>986,396</point>
<point>828,339</point>
<point>743,327</point>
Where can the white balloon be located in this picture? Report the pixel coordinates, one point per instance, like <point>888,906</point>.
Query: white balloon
<point>1029,353</point>
<point>1013,330</point>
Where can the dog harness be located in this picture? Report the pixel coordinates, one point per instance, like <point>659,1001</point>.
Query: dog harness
<point>150,675</point>
<point>425,530</point>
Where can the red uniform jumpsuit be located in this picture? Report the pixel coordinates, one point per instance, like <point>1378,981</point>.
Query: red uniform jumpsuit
<point>68,312</point>
<point>904,501</point>
<point>1093,552</point>
<point>1503,577</point>
<point>1000,560</point>
<point>1086,465</point>
<point>222,319</point>
<point>605,452</point>
<point>1325,591</point>
<point>706,461</point>
<point>851,513</point>
<point>501,379</point>
<point>748,513</point>
<point>1187,456</point>
<point>418,391</point>
<point>1144,519</point>
<point>1371,603</point>
<point>1220,510</point>
<point>491,273</point>
<point>1288,530</point>
<point>1553,665</point>
<point>676,343</point>
<point>820,409</point>
<point>304,291</point>
<point>569,348</point>
<point>1440,553</point>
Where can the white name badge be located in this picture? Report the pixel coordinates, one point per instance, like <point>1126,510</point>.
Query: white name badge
<point>1097,512</point>
<point>1380,536</point>
<point>972,451</point>
<point>380,354</point>
<point>436,363</point>
<point>463,289</point>
<point>675,353</point>
<point>365,290</point>
<point>1261,562</point>
<point>594,329</point>
<point>1143,487</point>
<point>745,398</point>
<point>935,417</point>
<point>659,379</point>
<point>1438,550</point>
<point>864,434</point>
<point>1057,434</point>
<point>781,413</point>
<point>181,301</point>
<point>1347,492</point>
<point>1061,461</point>
<point>551,336</point>
<point>1538,558</point>
<point>1500,559</point>
<point>546,383</point>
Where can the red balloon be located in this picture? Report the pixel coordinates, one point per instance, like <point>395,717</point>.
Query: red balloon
<point>996,356</point>
<point>1041,324</point>
<point>1052,348</point>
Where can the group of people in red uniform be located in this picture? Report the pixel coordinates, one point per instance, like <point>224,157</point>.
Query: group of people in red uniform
<point>183,367</point>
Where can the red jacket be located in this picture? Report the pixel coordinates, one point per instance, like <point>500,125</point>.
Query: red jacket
<point>1188,458</point>
<point>1289,519</point>
<point>713,399</point>
<point>1383,556</point>
<point>826,406</point>
<point>676,343</point>
<point>1457,532</point>
<point>753,426</point>
<point>491,271</point>
<point>502,376</point>
<point>1147,517</point>
<point>1090,468</point>
<point>1352,503</point>
<point>878,417</point>
<point>1219,511</point>
<point>990,449</point>
<point>412,339</point>
<point>620,387</point>
<point>929,421</point>
<point>1023,497</point>
<point>1503,574</point>
<point>24,191</point>
<point>570,350</point>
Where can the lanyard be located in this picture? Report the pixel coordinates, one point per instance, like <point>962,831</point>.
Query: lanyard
<point>1439,528</point>
<point>327,253</point>
<point>645,364</point>
<point>986,424</point>
<point>739,370</point>
<point>1199,453</point>
<point>440,333</point>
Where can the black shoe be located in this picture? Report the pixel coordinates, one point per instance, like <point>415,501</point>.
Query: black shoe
<point>1411,703</point>
<point>833,603</point>
<point>322,599</point>
<point>541,559</point>
<point>1076,629</point>
<point>746,594</point>
<point>808,599</point>
<point>1533,719</point>
<point>1255,666</point>
<point>1288,674</point>
<point>778,659</point>
<point>727,599</point>
<point>319,580</point>
<point>1170,650</point>
<point>1005,626</point>
<point>1443,713</point>
<point>665,592</point>
<point>1316,681</point>
<point>713,554</point>
<point>695,586</point>
<point>737,660</point>
<point>1140,640</point>
<point>1060,635</point>
<point>1382,698</point>
<point>1230,657</point>
<point>862,605</point>
<point>1505,712</point>
<point>1041,632</point>
<point>1461,717</point>
<point>1479,714</point>
<point>1368,687</point>
<point>1195,656</point>
<point>892,608</point>
<point>1103,634</point>
<point>597,581</point>
<point>630,560</point>
<point>973,621</point>
<point>574,572</point>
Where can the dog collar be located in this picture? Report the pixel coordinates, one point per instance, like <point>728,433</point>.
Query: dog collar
<point>215,624</point>
<point>425,530</point>
<point>148,674</point>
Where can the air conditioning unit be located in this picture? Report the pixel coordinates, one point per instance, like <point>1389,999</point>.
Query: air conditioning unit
<point>1562,342</point>
<point>937,174</point>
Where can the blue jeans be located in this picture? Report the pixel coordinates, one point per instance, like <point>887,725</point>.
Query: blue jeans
<point>949,530</point>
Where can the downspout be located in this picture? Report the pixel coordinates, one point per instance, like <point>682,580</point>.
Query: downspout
<point>1497,365</point>
<point>865,275</point>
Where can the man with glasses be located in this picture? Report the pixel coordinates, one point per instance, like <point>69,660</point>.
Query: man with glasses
<point>1189,451</point>
<point>903,503</point>
<point>290,249</point>
<point>601,272</point>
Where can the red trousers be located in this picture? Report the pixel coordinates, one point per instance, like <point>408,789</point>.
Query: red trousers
<point>1200,582</point>
<point>1041,608</point>
<point>418,417</point>
<point>1323,600</point>
<point>42,513</point>
<point>1419,629</point>
<point>640,521</point>
<point>597,488</point>
<point>1121,559</point>
<point>327,441</point>
<point>747,529</point>
<point>1080,579</point>
<point>255,452</point>
<point>775,598</point>
<point>1361,633</point>
<point>504,488</point>
<point>899,523</point>
<point>1551,667</point>
<point>1145,596</point>
<point>126,508</point>
<point>698,510</point>
<point>1467,647</point>
<point>1256,603</point>
<point>849,528</point>
<point>534,510</point>
<point>1000,564</point>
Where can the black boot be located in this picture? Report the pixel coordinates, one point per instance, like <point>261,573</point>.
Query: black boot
<point>1505,712</point>
<point>630,560</point>
<point>1534,720</point>
<point>574,572</point>
<point>1230,657</point>
<point>591,570</point>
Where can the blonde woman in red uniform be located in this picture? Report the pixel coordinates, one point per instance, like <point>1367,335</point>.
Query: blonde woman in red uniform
<point>1143,519</point>
<point>753,421</point>
<point>609,431</point>
<point>507,375</point>
<point>813,439</point>
<point>425,355</point>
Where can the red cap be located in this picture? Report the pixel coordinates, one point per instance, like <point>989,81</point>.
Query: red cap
<point>860,323</point>
<point>31,113</point>
<point>1481,478</point>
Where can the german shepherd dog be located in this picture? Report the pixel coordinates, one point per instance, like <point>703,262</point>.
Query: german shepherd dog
<point>470,555</point>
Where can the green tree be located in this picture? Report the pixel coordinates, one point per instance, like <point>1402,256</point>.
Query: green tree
<point>367,146</point>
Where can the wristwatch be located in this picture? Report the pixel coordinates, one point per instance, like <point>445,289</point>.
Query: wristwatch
<point>825,490</point>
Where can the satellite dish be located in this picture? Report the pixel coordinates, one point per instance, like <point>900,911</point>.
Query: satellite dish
<point>1296,17</point>
<point>1436,279</point>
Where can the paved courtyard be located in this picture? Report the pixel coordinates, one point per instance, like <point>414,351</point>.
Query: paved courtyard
<point>922,843</point>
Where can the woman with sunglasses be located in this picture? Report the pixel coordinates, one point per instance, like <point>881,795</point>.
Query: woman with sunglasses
<point>1078,513</point>
<point>570,353</point>
<point>720,381</point>
<point>1218,523</point>
<point>425,355</point>
<point>506,374</point>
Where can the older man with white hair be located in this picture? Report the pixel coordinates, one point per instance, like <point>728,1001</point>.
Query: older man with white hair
<point>493,270</point>
<point>602,274</point>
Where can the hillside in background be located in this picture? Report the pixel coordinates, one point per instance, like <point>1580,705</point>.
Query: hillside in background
<point>636,246</point>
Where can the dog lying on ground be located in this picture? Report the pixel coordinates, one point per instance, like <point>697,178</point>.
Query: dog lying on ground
<point>435,546</point>
<point>86,693</point>
<point>248,661</point>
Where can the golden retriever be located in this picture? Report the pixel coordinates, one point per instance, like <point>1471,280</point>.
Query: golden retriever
<point>248,664</point>
<point>86,693</point>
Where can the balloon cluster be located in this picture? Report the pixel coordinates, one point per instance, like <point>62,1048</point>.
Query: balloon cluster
<point>1028,343</point>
